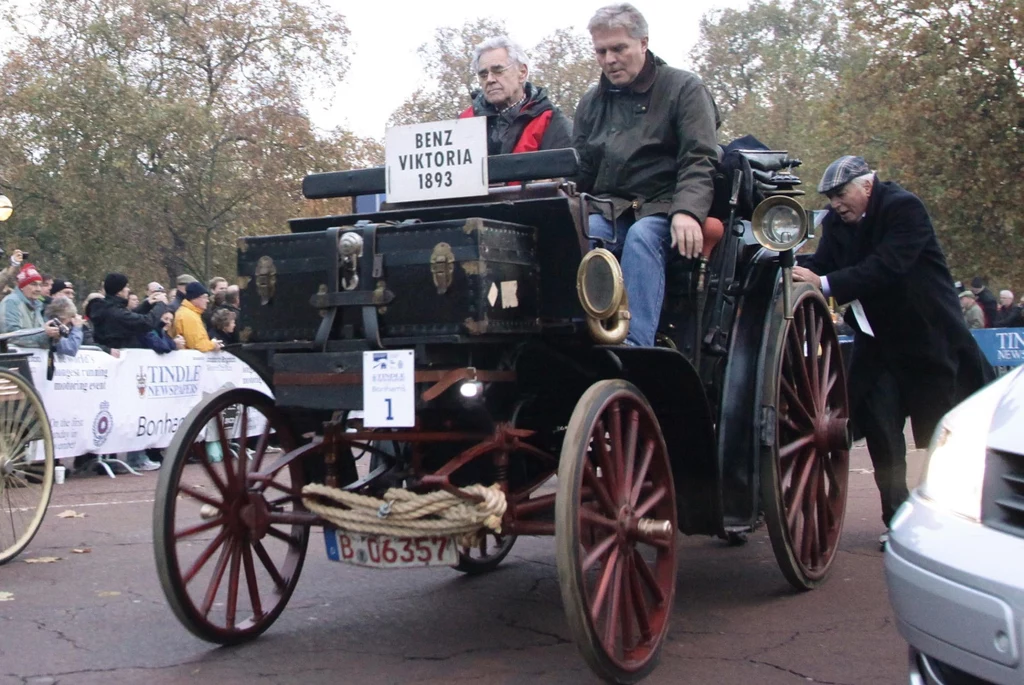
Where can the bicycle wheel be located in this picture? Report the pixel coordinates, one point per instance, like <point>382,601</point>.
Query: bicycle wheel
<point>26,464</point>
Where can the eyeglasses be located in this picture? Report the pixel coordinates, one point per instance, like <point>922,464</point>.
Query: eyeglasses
<point>493,71</point>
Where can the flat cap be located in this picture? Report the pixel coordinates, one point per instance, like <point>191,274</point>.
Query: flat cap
<point>968,293</point>
<point>185,279</point>
<point>842,171</point>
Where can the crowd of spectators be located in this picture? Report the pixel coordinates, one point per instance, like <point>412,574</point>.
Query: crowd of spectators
<point>197,317</point>
<point>983,310</point>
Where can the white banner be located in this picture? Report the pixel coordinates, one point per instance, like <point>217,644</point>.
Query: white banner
<point>103,404</point>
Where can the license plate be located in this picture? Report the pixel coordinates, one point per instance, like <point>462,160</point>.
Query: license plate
<point>382,551</point>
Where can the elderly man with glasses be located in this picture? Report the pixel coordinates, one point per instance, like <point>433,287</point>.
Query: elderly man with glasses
<point>520,118</point>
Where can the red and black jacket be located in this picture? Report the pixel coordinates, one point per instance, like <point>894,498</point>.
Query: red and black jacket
<point>539,125</point>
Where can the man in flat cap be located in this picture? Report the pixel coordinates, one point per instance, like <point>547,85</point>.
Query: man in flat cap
<point>912,353</point>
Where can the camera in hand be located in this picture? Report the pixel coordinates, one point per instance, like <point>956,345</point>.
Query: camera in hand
<point>64,330</point>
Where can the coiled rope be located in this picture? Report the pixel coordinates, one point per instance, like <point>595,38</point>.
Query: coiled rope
<point>405,514</point>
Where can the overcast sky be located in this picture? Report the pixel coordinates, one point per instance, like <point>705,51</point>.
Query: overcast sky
<point>385,68</point>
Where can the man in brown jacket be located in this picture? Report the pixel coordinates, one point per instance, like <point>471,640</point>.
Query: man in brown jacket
<point>646,139</point>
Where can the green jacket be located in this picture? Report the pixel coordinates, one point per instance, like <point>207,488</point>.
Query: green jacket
<point>18,313</point>
<point>650,145</point>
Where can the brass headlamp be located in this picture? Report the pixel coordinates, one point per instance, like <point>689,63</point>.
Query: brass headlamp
<point>602,292</point>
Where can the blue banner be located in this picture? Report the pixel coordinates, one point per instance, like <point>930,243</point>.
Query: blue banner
<point>1002,346</point>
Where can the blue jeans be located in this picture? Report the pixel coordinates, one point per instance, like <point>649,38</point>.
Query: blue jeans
<point>641,249</point>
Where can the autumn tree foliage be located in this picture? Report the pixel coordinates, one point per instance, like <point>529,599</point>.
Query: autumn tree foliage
<point>930,92</point>
<point>148,135</point>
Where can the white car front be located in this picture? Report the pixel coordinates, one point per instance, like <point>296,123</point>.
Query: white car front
<point>957,546</point>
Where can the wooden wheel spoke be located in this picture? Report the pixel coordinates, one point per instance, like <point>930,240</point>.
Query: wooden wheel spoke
<point>283,537</point>
<point>628,612</point>
<point>285,499</point>
<point>824,378</point>
<point>252,582</point>
<point>632,429</point>
<point>261,447</point>
<point>830,384</point>
<point>604,460</point>
<point>204,557</point>
<point>595,519</point>
<point>808,536</point>
<point>647,576</point>
<point>789,423</point>
<point>225,451</point>
<point>233,577</point>
<point>795,446</point>
<point>597,551</point>
<point>794,401</point>
<point>288,490</point>
<point>643,620</point>
<point>601,494</point>
<point>196,494</point>
<point>218,576</point>
<point>211,471</point>
<point>817,327</point>
<point>798,363</point>
<point>604,582</point>
<point>652,501</point>
<point>199,528</point>
<point>614,607</point>
<point>618,458</point>
<point>268,565</point>
<point>243,445</point>
<point>830,471</point>
<point>824,513</point>
<point>796,492</point>
<point>641,475</point>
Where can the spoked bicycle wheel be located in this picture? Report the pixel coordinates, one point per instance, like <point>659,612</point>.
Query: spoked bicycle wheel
<point>228,551</point>
<point>26,464</point>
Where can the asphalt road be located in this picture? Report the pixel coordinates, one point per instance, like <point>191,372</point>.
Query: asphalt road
<point>100,616</point>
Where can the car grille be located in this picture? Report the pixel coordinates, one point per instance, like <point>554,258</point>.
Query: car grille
<point>1002,496</point>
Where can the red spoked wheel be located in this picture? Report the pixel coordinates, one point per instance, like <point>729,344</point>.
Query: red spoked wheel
<point>805,469</point>
<point>227,553</point>
<point>615,531</point>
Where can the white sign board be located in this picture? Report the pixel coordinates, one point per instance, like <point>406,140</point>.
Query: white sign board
<point>436,160</point>
<point>389,389</point>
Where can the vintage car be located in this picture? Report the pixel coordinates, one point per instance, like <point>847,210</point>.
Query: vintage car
<point>488,331</point>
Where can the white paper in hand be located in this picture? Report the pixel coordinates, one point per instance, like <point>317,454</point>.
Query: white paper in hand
<point>862,318</point>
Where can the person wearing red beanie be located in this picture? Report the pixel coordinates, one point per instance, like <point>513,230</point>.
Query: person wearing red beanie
<point>23,309</point>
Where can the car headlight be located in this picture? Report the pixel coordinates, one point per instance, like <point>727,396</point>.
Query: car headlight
<point>955,469</point>
<point>779,223</point>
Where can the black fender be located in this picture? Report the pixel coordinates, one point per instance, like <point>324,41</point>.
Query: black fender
<point>675,391</point>
<point>738,423</point>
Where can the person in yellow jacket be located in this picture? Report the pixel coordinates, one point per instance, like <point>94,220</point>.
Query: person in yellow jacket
<point>188,320</point>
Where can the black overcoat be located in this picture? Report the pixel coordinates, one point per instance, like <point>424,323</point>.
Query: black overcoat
<point>892,263</point>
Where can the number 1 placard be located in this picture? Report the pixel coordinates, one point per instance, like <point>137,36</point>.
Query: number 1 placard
<point>389,389</point>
